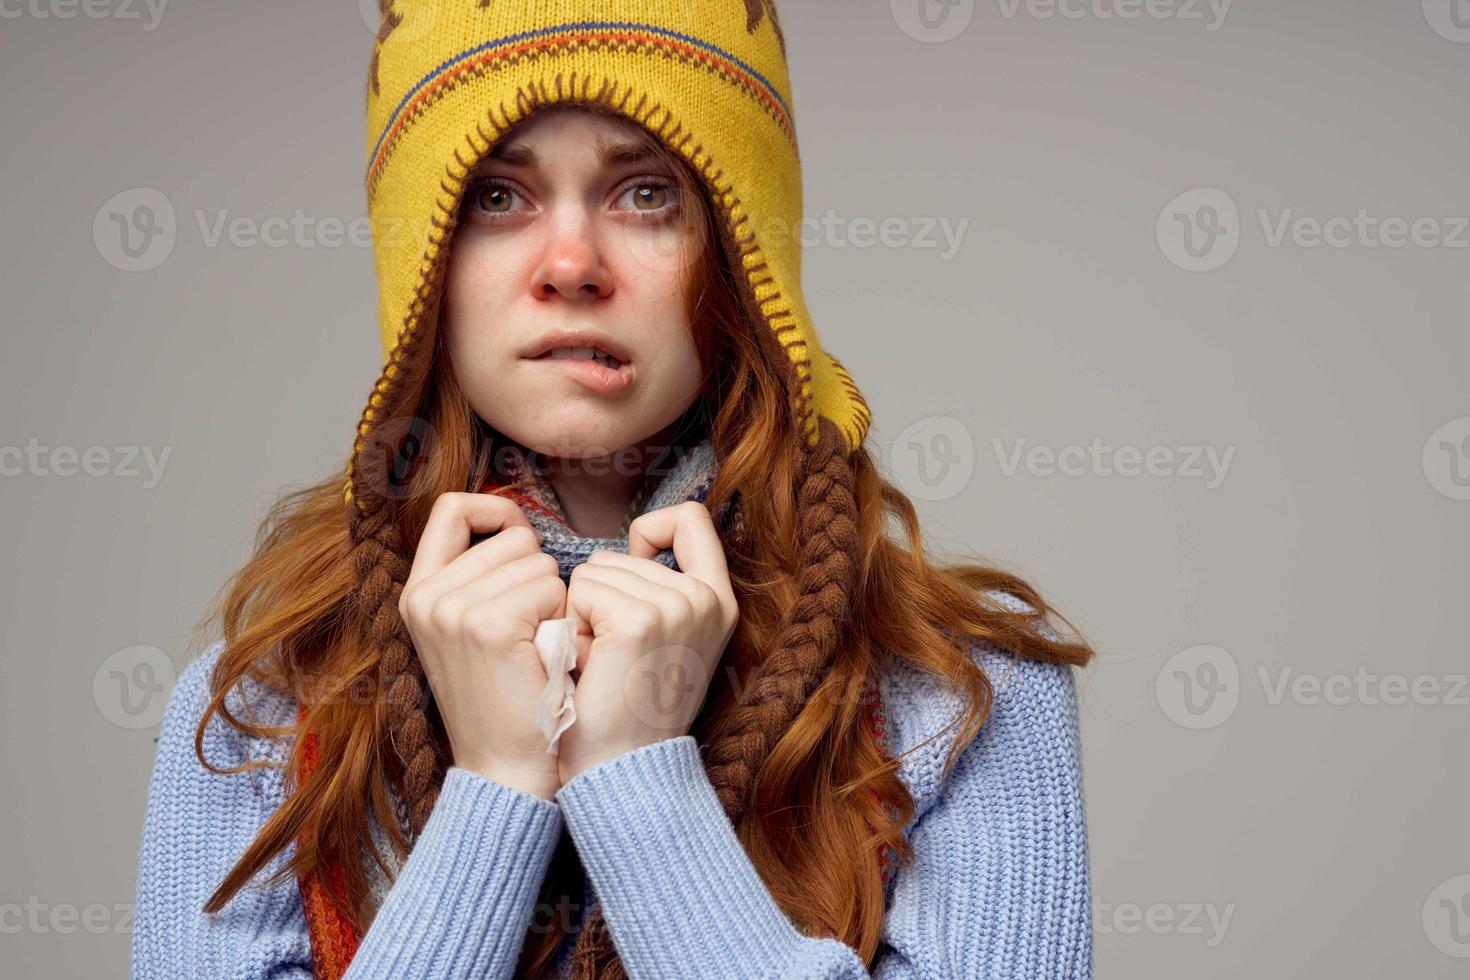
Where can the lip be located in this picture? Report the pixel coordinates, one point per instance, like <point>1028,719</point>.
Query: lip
<point>598,377</point>
<point>577,338</point>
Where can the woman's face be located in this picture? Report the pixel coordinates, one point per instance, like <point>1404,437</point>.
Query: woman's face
<point>572,235</point>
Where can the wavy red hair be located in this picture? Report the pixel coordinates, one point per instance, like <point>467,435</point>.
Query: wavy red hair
<point>825,788</point>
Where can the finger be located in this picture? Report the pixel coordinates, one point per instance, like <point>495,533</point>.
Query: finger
<point>455,516</point>
<point>502,547</point>
<point>667,600</point>
<point>498,580</point>
<point>530,602</point>
<point>593,604</point>
<point>690,531</point>
<point>655,572</point>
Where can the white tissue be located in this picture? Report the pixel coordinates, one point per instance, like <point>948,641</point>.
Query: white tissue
<point>555,642</point>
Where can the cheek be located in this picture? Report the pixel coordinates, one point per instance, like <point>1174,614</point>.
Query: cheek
<point>478,291</point>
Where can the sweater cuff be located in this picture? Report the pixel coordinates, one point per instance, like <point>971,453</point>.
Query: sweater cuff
<point>675,885</point>
<point>462,901</point>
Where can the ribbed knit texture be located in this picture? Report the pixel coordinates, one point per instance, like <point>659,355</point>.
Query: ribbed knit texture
<point>685,473</point>
<point>999,887</point>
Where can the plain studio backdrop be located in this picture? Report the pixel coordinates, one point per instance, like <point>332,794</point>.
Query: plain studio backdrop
<point>1162,305</point>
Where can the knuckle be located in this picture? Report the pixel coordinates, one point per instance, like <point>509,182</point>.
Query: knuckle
<point>483,624</point>
<point>443,615</point>
<point>685,613</point>
<point>411,605</point>
<point>643,619</point>
<point>521,538</point>
<point>448,500</point>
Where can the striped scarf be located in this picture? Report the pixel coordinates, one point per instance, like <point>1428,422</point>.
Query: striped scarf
<point>683,473</point>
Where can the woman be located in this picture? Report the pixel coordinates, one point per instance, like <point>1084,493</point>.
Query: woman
<point>799,748</point>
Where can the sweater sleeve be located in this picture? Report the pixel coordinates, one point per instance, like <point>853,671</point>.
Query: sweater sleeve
<point>998,887</point>
<point>459,907</point>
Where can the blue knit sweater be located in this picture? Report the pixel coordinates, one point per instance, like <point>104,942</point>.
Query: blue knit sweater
<point>999,887</point>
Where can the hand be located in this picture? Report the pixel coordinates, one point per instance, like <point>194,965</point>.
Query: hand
<point>649,638</point>
<point>472,612</point>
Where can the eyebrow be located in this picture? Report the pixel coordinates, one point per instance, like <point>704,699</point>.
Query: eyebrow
<point>609,152</point>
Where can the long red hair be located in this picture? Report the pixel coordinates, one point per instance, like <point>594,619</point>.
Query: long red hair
<point>826,786</point>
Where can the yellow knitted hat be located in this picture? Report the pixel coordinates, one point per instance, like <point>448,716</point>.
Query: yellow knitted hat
<point>707,77</point>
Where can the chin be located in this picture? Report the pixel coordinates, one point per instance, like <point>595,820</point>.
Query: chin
<point>581,434</point>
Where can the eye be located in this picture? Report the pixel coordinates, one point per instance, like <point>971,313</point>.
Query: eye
<point>652,198</point>
<point>491,197</point>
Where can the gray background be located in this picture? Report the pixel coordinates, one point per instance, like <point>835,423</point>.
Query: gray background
<point>1332,835</point>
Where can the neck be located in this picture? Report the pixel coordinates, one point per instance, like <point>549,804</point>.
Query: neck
<point>596,492</point>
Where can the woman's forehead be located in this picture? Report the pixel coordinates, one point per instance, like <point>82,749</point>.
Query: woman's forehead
<point>613,140</point>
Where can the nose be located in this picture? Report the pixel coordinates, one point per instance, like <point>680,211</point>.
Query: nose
<point>572,265</point>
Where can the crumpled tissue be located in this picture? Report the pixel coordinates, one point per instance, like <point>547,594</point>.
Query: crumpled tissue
<point>555,641</point>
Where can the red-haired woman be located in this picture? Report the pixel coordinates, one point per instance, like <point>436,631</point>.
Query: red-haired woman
<point>797,747</point>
